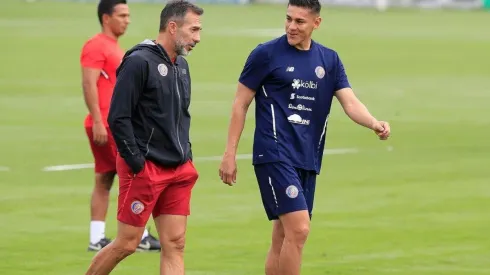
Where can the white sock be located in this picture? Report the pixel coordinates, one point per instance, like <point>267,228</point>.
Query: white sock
<point>97,231</point>
<point>145,234</point>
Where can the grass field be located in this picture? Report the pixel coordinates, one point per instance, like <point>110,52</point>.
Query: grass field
<point>421,208</point>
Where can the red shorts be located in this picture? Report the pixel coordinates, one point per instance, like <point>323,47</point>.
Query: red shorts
<point>154,190</point>
<point>105,155</point>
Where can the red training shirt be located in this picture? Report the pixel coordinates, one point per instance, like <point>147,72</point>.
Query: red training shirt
<point>102,52</point>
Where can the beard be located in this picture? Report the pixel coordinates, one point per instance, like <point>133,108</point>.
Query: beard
<point>180,47</point>
<point>181,50</point>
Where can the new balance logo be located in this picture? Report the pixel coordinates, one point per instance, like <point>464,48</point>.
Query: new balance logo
<point>290,69</point>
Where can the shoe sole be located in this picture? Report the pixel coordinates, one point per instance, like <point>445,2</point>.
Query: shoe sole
<point>147,250</point>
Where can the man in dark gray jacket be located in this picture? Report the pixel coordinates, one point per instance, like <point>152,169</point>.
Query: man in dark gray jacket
<point>149,119</point>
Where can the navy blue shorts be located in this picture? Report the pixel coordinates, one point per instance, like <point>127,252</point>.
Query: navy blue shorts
<point>285,189</point>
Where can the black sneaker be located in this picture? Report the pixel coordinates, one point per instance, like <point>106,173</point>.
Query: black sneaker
<point>149,243</point>
<point>99,245</point>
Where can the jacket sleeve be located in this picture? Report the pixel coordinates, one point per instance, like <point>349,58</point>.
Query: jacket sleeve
<point>130,83</point>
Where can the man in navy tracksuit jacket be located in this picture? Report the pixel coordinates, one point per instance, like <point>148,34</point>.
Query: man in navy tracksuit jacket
<point>149,119</point>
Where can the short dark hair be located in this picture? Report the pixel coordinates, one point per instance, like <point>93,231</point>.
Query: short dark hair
<point>107,7</point>
<point>313,5</point>
<point>176,10</point>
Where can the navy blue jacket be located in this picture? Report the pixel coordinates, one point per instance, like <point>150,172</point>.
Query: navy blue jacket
<point>149,113</point>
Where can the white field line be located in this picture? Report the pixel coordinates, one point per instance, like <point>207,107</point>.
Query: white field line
<point>399,254</point>
<point>4,169</point>
<point>66,167</point>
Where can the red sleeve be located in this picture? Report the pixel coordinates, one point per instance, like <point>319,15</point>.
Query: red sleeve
<point>92,55</point>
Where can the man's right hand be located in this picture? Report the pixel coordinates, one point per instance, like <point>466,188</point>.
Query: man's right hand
<point>228,170</point>
<point>100,133</point>
<point>136,163</point>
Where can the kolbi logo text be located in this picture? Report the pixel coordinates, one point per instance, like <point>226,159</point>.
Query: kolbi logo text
<point>298,83</point>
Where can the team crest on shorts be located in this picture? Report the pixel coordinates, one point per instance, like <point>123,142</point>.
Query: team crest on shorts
<point>162,69</point>
<point>320,72</point>
<point>137,207</point>
<point>292,191</point>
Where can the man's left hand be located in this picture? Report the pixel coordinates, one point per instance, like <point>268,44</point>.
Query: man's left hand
<point>382,129</point>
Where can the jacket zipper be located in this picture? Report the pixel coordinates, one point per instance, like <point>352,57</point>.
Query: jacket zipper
<point>148,143</point>
<point>179,110</point>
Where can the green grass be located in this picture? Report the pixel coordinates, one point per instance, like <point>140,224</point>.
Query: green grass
<point>421,208</point>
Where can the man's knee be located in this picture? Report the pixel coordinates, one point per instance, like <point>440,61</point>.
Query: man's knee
<point>128,238</point>
<point>176,242</point>
<point>126,247</point>
<point>296,226</point>
<point>172,229</point>
<point>299,233</point>
<point>104,180</point>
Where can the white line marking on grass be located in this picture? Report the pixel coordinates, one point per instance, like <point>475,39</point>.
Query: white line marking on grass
<point>67,167</point>
<point>4,169</point>
<point>399,254</point>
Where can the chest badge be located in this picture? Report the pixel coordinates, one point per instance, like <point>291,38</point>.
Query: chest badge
<point>320,72</point>
<point>162,69</point>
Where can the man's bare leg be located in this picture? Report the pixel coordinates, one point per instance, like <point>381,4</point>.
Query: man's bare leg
<point>99,204</point>
<point>100,195</point>
<point>296,227</point>
<point>171,231</point>
<point>272,261</point>
<point>127,239</point>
